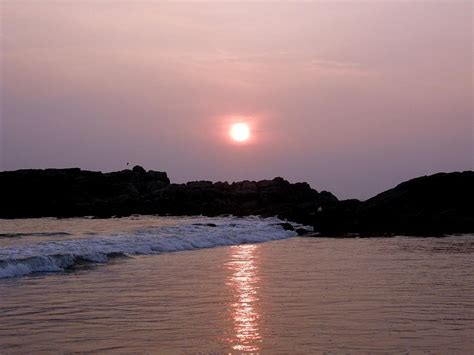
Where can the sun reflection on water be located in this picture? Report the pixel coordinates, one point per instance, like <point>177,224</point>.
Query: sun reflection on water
<point>243,282</point>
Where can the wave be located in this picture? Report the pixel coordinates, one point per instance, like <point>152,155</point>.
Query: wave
<point>43,234</point>
<point>198,233</point>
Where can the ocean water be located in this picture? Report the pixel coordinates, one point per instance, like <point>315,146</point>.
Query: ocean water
<point>47,245</point>
<point>182,285</point>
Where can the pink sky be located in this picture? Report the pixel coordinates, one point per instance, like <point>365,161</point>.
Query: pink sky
<point>353,97</point>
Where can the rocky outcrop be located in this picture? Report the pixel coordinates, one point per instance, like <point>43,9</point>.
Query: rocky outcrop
<point>440,203</point>
<point>430,204</point>
<point>297,202</point>
<point>74,192</point>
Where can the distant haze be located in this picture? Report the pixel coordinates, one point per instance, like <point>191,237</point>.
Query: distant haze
<point>352,97</point>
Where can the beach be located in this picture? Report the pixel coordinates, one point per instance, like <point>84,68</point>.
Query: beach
<point>236,177</point>
<point>278,294</point>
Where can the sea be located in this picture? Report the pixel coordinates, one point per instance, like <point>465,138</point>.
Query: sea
<point>228,285</point>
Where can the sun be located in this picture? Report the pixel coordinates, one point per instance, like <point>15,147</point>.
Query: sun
<point>240,132</point>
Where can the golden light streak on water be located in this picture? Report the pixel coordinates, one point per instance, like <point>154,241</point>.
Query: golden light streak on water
<point>243,281</point>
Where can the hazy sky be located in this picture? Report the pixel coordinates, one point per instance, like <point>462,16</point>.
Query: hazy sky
<point>353,97</point>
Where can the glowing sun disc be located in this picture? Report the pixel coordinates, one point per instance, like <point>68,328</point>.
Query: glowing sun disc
<point>240,132</point>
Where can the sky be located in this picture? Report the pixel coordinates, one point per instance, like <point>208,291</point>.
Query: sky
<point>353,97</point>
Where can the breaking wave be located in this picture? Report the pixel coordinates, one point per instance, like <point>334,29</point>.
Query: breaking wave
<point>197,233</point>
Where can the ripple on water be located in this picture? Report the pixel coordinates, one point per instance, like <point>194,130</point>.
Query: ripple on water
<point>298,295</point>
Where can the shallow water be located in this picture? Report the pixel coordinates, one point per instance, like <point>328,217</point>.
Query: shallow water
<point>295,295</point>
<point>48,245</point>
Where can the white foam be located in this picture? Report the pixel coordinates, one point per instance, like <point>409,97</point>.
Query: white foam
<point>192,233</point>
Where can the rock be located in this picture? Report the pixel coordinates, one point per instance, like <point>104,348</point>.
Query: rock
<point>157,176</point>
<point>137,169</point>
<point>436,204</point>
<point>73,192</point>
<point>156,185</point>
<point>328,197</point>
<point>263,184</point>
<point>339,216</point>
<point>199,184</point>
<point>302,231</point>
<point>431,205</point>
<point>287,226</point>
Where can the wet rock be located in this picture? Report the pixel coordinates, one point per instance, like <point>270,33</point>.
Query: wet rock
<point>287,226</point>
<point>302,231</point>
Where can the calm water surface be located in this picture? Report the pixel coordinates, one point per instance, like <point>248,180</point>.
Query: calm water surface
<point>297,295</point>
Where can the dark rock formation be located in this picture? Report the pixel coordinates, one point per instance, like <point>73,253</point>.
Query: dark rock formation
<point>297,202</point>
<point>74,192</point>
<point>431,204</point>
<point>440,203</point>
